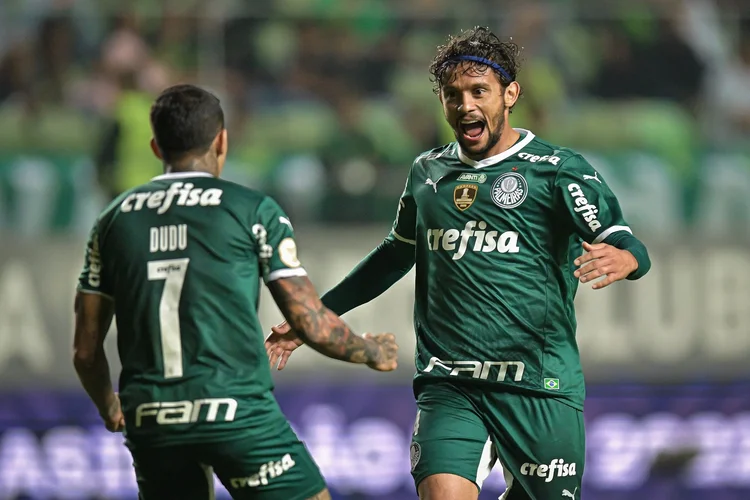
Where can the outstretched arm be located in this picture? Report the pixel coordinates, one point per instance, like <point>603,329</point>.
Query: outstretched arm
<point>375,274</point>
<point>300,304</point>
<point>385,265</point>
<point>324,331</point>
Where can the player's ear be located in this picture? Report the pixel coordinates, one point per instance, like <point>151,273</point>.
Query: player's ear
<point>511,94</point>
<point>155,149</point>
<point>221,146</point>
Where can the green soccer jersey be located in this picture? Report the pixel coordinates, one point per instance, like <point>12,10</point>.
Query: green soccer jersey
<point>495,243</point>
<point>182,257</point>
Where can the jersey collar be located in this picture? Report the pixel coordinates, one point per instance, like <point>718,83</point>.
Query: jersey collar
<point>499,157</point>
<point>181,175</point>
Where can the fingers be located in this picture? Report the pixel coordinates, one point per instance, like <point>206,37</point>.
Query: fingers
<point>281,328</point>
<point>603,260</point>
<point>596,273</point>
<point>388,352</point>
<point>611,278</point>
<point>273,358</point>
<point>596,246</point>
<point>380,338</point>
<point>592,255</point>
<point>284,358</point>
<point>594,269</point>
<point>115,424</point>
<point>386,366</point>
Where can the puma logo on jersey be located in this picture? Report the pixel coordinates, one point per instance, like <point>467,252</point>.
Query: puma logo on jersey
<point>187,195</point>
<point>567,493</point>
<point>583,207</point>
<point>286,221</point>
<point>594,177</point>
<point>478,240</point>
<point>430,182</point>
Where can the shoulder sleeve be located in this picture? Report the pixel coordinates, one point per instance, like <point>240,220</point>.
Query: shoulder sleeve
<point>93,278</point>
<point>587,201</point>
<point>405,226</point>
<point>276,246</point>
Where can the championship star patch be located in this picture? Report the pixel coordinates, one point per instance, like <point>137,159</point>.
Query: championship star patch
<point>464,195</point>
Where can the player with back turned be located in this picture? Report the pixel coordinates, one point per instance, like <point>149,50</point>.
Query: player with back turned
<point>502,227</point>
<point>178,261</point>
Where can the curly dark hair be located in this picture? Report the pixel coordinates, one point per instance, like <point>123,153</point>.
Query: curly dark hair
<point>477,42</point>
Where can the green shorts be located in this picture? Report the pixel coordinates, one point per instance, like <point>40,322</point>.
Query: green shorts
<point>465,430</point>
<point>266,467</point>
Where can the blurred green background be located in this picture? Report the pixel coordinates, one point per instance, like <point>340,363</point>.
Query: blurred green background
<point>329,101</point>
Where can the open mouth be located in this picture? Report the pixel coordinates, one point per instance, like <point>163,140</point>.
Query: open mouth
<point>472,130</point>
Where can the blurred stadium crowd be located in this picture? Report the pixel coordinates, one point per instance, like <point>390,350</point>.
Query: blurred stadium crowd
<point>328,101</point>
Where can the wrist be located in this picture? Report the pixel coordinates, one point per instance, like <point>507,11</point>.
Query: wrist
<point>633,267</point>
<point>108,404</point>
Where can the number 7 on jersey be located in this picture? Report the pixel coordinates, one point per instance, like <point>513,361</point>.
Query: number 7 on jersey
<point>173,272</point>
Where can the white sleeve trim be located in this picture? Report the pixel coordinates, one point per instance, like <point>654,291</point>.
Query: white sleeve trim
<point>285,273</point>
<point>609,231</point>
<point>401,238</point>
<point>94,292</point>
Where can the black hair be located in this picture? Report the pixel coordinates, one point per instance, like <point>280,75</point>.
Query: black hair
<point>478,42</point>
<point>185,120</point>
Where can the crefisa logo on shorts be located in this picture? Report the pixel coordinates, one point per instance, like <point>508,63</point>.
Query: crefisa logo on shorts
<point>556,468</point>
<point>415,453</point>
<point>266,472</point>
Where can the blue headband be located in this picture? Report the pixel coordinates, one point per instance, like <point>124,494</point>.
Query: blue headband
<point>487,62</point>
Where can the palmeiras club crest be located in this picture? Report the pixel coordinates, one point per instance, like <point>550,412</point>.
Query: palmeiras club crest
<point>509,190</point>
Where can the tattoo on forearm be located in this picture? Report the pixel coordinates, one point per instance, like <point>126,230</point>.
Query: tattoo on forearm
<point>319,327</point>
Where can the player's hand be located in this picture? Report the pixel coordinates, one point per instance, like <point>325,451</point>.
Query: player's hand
<point>386,359</point>
<point>114,419</point>
<point>604,260</point>
<point>280,344</point>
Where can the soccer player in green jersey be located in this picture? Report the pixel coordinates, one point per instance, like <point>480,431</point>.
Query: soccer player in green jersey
<point>502,227</point>
<point>178,262</point>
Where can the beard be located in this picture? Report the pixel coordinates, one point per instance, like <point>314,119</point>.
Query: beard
<point>493,137</point>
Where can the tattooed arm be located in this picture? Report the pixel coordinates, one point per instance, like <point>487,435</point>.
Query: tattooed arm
<point>324,331</point>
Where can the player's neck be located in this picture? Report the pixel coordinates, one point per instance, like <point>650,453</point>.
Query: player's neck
<point>191,165</point>
<point>508,139</point>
